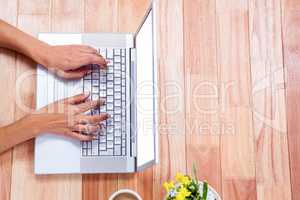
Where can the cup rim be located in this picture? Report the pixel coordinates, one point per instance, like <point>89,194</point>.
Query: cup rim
<point>125,191</point>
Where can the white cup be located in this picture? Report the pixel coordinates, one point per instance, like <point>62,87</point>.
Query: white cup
<point>125,191</point>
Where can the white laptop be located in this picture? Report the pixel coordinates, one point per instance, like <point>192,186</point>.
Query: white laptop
<point>129,85</point>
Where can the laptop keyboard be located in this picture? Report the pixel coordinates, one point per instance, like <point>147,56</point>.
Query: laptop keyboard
<point>109,84</point>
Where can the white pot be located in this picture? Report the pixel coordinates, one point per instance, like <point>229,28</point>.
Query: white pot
<point>211,193</point>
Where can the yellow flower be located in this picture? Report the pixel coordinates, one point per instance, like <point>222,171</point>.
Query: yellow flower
<point>182,179</point>
<point>182,194</point>
<point>169,186</point>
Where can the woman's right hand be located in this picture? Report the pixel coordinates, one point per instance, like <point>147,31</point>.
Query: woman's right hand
<point>66,117</point>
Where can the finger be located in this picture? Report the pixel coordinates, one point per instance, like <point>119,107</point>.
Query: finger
<point>87,119</point>
<point>82,69</point>
<point>88,105</point>
<point>94,59</point>
<point>89,49</point>
<point>88,129</point>
<point>80,136</point>
<point>77,98</point>
<point>73,74</point>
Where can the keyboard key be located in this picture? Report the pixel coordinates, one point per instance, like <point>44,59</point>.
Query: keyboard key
<point>110,137</point>
<point>103,72</point>
<point>95,75</point>
<point>117,118</point>
<point>110,77</point>
<point>110,84</point>
<point>110,122</point>
<point>110,144</point>
<point>118,103</point>
<point>117,88</point>
<point>117,150</point>
<point>110,152</point>
<point>110,69</point>
<point>117,74</point>
<point>118,81</point>
<point>95,97</point>
<point>118,59</point>
<point>117,125</point>
<point>110,129</point>
<point>117,140</point>
<point>118,110</point>
<point>117,66</point>
<point>102,146</point>
<point>110,92</point>
<point>117,51</point>
<point>117,95</point>
<point>95,82</point>
<point>95,90</point>
<point>103,79</point>
<point>110,112</point>
<point>102,139</point>
<point>103,109</point>
<point>123,151</point>
<point>84,152</point>
<point>110,99</point>
<point>102,87</point>
<point>118,133</point>
<point>110,106</point>
<point>102,94</point>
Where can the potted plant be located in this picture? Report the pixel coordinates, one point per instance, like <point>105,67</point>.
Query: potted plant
<point>188,188</point>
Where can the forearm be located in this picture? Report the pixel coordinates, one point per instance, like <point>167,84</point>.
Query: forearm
<point>16,133</point>
<point>12,38</point>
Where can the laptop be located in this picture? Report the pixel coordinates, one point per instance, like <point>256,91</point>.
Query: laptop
<point>129,140</point>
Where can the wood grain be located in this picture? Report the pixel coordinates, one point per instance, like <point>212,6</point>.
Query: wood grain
<point>237,138</point>
<point>223,75</point>
<point>269,109</point>
<point>172,94</point>
<point>291,46</point>
<point>202,101</point>
<point>8,13</point>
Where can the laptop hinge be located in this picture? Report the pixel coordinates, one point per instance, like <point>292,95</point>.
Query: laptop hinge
<point>133,120</point>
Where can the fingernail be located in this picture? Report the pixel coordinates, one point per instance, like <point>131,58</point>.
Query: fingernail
<point>94,137</point>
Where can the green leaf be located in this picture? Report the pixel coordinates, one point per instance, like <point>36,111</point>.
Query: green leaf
<point>205,190</point>
<point>195,171</point>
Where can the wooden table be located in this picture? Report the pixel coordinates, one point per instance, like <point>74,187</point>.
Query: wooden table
<point>229,91</point>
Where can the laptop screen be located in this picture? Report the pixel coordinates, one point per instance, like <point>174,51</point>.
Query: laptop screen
<point>145,93</point>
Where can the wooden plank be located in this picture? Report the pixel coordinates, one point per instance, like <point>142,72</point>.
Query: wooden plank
<point>8,13</point>
<point>25,185</point>
<point>269,108</point>
<point>291,46</point>
<point>29,7</point>
<point>106,12</point>
<point>171,94</point>
<point>131,14</point>
<point>201,75</point>
<point>237,139</point>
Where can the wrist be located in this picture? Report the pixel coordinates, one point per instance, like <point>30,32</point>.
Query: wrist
<point>40,53</point>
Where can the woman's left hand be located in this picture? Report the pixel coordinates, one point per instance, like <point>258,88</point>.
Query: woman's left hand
<point>67,61</point>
